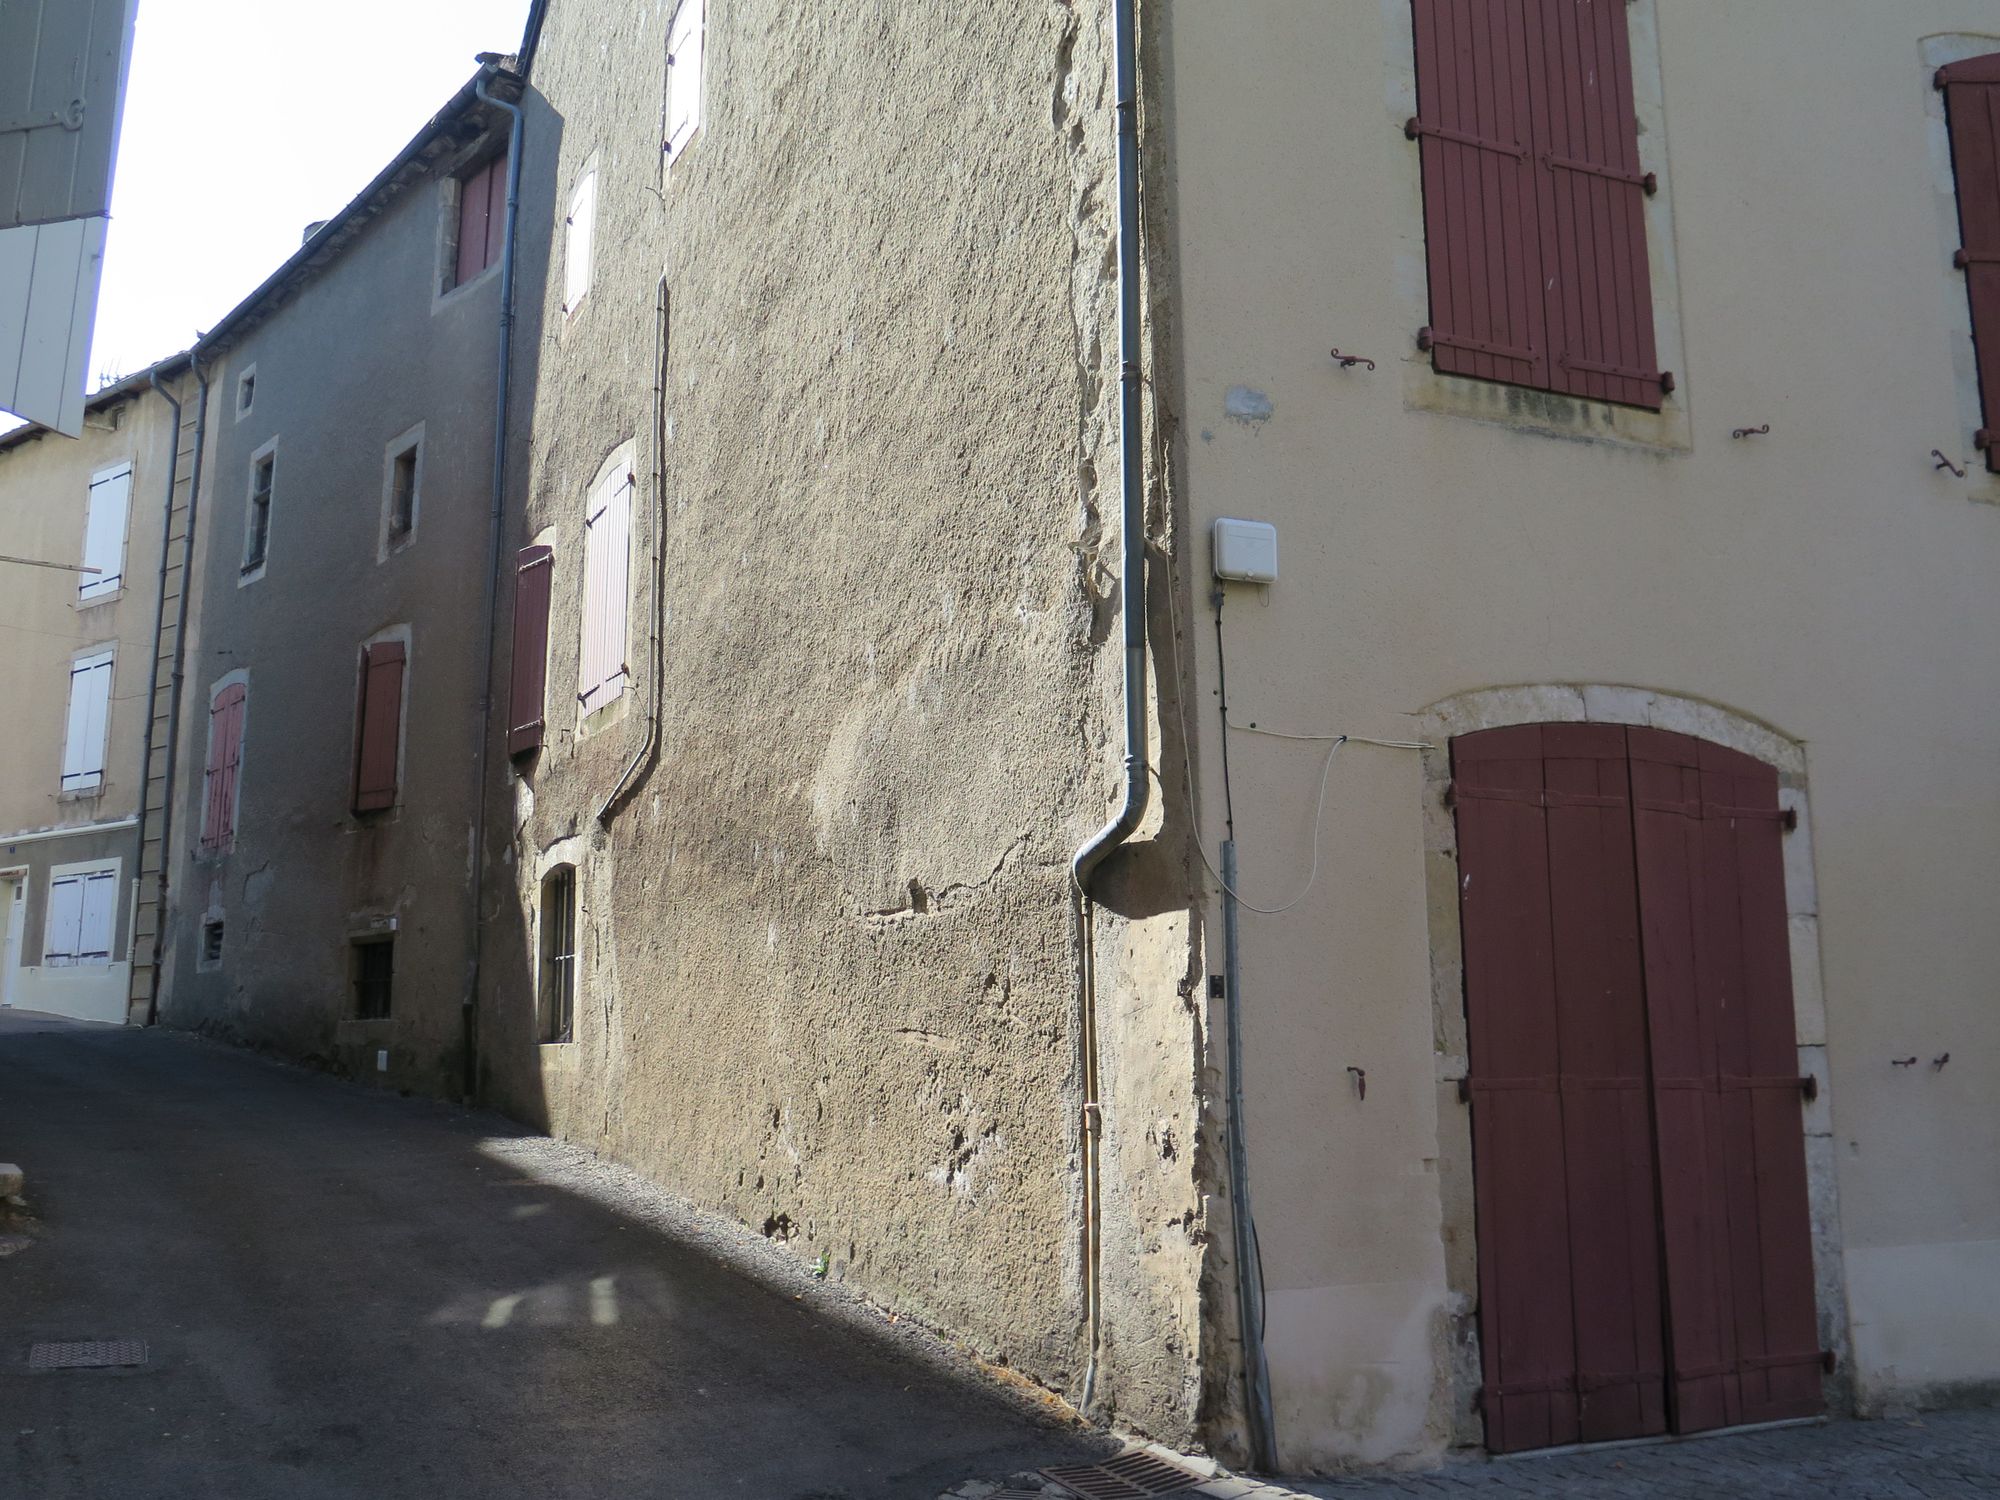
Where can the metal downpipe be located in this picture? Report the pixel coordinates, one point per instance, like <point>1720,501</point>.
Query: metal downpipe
<point>165,886</point>
<point>153,686</point>
<point>469,1002</point>
<point>1132,541</point>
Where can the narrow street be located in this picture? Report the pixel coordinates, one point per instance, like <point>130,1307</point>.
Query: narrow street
<point>347,1293</point>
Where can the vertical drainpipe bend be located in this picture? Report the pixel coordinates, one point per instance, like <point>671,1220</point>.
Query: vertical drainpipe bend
<point>176,677</point>
<point>153,685</point>
<point>469,1002</point>
<point>1132,541</point>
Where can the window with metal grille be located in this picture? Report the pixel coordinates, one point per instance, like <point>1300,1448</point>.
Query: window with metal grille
<point>257,525</point>
<point>374,964</point>
<point>1534,198</point>
<point>1972,106</point>
<point>211,942</point>
<point>557,1002</point>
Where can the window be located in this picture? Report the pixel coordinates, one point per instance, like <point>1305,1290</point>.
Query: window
<point>378,734</point>
<point>211,942</point>
<point>1972,106</point>
<point>225,767</point>
<point>89,715</point>
<point>373,963</point>
<point>607,540</point>
<point>104,534</point>
<point>246,391</point>
<point>83,908</point>
<point>257,525</point>
<point>685,36</point>
<point>534,568</point>
<point>1534,198</point>
<point>581,226</point>
<point>482,219</point>
<point>557,1002</point>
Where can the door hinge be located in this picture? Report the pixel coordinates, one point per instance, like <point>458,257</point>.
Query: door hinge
<point>70,119</point>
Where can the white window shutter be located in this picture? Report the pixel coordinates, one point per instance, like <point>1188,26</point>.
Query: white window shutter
<point>606,559</point>
<point>577,242</point>
<point>685,40</point>
<point>65,924</point>
<point>98,918</point>
<point>89,713</point>
<point>104,533</point>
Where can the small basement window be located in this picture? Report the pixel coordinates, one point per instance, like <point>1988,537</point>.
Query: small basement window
<point>556,1004</point>
<point>374,965</point>
<point>211,942</point>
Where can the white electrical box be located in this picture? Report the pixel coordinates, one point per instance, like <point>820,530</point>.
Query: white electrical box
<point>1246,551</point>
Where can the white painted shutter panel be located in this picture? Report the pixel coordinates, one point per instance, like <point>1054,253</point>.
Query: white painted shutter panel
<point>100,911</point>
<point>89,709</point>
<point>684,63</point>
<point>577,242</point>
<point>59,938</point>
<point>607,551</point>
<point>104,533</point>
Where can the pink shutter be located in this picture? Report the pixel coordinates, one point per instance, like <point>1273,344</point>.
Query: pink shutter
<point>1595,269</point>
<point>474,207</point>
<point>534,569</point>
<point>1972,104</point>
<point>225,757</point>
<point>496,209</point>
<point>1480,224</point>
<point>380,731</point>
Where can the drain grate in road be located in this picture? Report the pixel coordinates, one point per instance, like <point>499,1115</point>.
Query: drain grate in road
<point>91,1354</point>
<point>1137,1475</point>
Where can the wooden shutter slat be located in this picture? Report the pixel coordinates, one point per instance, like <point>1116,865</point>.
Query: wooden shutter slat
<point>380,731</point>
<point>1739,1275</point>
<point>534,574</point>
<point>1972,108</point>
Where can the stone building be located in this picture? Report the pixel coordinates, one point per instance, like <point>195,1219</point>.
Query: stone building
<point>326,807</point>
<point>83,553</point>
<point>1611,529</point>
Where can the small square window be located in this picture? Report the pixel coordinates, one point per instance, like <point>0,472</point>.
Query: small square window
<point>374,965</point>
<point>211,942</point>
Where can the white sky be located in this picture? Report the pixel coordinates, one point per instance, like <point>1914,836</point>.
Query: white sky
<point>245,120</point>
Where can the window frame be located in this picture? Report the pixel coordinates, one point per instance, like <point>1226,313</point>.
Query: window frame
<point>390,540</point>
<point>88,660</point>
<point>246,391</point>
<point>360,981</point>
<point>83,872</point>
<point>255,565</point>
<point>556,970</point>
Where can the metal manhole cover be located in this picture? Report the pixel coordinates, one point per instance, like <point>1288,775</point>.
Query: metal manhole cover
<point>93,1354</point>
<point>1130,1476</point>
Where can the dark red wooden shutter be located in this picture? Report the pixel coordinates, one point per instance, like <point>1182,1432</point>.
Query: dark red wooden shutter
<point>1534,213</point>
<point>1569,1276</point>
<point>1739,1273</point>
<point>380,731</point>
<point>1972,103</point>
<point>496,209</point>
<point>474,209</point>
<point>533,571</point>
<point>1480,222</point>
<point>225,758</point>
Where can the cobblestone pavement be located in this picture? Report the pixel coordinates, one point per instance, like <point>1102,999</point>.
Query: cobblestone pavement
<point>1940,1456</point>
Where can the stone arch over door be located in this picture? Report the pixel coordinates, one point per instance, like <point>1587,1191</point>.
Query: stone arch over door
<point>1610,704</point>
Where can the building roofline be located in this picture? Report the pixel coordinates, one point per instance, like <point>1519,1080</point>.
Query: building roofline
<point>109,394</point>
<point>327,242</point>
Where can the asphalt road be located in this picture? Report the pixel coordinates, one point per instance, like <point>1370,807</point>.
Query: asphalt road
<point>346,1293</point>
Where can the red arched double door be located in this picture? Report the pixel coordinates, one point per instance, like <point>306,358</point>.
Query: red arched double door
<point>1645,1251</point>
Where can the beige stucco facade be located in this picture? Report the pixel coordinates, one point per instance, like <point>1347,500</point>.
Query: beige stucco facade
<point>1457,555</point>
<point>47,626</point>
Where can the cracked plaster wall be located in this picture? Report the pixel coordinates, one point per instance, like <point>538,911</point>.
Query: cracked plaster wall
<point>829,963</point>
